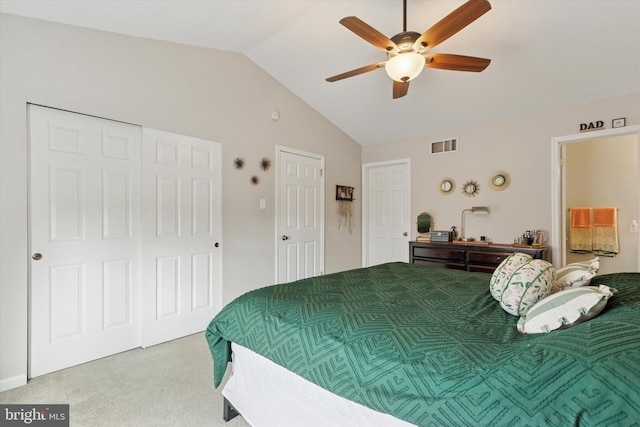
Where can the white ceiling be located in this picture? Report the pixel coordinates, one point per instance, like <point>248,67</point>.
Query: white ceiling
<point>544,54</point>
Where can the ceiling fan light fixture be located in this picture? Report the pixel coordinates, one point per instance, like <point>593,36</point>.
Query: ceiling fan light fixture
<point>405,66</point>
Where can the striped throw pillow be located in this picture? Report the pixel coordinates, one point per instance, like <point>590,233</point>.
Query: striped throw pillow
<point>577,273</point>
<point>565,309</point>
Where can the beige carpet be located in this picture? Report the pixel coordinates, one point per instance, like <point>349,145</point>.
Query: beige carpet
<point>170,384</point>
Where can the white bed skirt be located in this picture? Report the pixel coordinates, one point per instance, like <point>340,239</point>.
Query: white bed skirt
<point>266,394</point>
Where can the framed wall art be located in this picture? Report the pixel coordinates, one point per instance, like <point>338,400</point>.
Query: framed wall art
<point>344,192</point>
<point>618,123</point>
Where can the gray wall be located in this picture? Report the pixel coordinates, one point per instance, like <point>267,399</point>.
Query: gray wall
<point>521,146</point>
<point>188,90</point>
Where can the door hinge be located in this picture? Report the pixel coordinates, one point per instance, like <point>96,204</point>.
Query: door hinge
<point>320,173</point>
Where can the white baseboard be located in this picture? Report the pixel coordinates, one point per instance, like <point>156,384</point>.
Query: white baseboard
<point>14,382</point>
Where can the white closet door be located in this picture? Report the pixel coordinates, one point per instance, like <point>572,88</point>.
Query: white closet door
<point>182,235</point>
<point>84,195</point>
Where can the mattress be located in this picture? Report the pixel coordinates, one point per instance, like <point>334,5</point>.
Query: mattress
<point>268,395</point>
<point>432,347</point>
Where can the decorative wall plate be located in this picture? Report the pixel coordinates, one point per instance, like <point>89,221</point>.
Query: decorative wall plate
<point>470,188</point>
<point>447,185</point>
<point>500,180</point>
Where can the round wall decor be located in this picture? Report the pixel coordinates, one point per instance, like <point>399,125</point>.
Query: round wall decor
<point>447,185</point>
<point>499,181</point>
<point>470,188</point>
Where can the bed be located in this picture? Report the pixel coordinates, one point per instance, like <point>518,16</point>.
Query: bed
<point>425,346</point>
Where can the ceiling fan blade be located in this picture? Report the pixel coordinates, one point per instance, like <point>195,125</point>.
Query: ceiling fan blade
<point>355,72</point>
<point>400,89</point>
<point>369,34</point>
<point>447,61</point>
<point>452,23</point>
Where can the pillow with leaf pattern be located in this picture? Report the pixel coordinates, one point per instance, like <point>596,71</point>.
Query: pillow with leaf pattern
<point>502,273</point>
<point>523,284</point>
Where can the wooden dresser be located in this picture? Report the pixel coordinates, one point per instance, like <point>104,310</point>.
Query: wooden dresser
<point>467,256</point>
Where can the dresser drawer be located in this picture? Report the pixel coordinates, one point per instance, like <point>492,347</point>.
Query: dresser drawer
<point>481,268</point>
<point>487,258</point>
<point>440,263</point>
<point>448,254</point>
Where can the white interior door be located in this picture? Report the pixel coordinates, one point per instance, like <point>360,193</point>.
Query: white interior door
<point>84,195</point>
<point>300,216</point>
<point>182,231</point>
<point>386,212</point>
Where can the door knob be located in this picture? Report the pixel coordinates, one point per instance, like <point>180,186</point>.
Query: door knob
<point>285,237</point>
<point>216,244</point>
<point>36,256</point>
<point>405,234</point>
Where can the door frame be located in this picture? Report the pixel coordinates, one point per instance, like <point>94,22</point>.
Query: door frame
<point>366,167</point>
<point>283,149</point>
<point>558,181</point>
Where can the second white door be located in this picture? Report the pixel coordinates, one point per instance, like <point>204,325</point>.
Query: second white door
<point>387,212</point>
<point>300,228</point>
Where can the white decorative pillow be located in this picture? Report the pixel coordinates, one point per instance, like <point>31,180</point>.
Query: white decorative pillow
<point>503,272</point>
<point>577,273</point>
<point>528,284</point>
<point>565,309</point>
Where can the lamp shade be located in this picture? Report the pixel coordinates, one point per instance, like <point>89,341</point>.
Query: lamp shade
<point>480,210</point>
<point>404,66</point>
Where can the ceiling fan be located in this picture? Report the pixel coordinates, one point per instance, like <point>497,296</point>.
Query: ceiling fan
<point>405,50</point>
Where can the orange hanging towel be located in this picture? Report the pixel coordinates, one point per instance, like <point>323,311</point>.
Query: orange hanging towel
<point>581,217</point>
<point>605,231</point>
<point>580,231</point>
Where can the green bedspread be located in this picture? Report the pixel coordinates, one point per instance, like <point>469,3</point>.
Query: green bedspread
<point>432,347</point>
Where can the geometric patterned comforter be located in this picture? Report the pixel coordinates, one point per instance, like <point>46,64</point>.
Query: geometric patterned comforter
<point>431,346</point>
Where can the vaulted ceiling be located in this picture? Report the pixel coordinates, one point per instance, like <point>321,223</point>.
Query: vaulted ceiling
<point>545,54</point>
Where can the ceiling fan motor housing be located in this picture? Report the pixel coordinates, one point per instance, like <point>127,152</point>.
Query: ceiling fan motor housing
<point>405,40</point>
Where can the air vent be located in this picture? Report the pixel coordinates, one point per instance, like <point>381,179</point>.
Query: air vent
<point>446,146</point>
